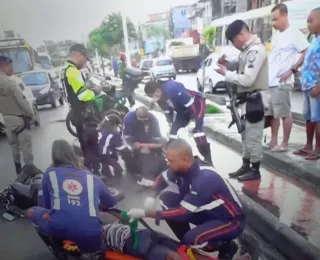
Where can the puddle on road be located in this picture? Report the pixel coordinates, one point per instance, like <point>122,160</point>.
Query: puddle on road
<point>292,202</point>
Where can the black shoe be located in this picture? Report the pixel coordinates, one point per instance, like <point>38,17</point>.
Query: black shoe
<point>252,175</point>
<point>18,167</point>
<point>243,169</point>
<point>205,151</point>
<point>227,250</point>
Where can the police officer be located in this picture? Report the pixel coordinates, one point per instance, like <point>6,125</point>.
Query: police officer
<point>142,133</point>
<point>17,114</point>
<point>251,79</point>
<point>193,192</point>
<point>172,97</point>
<point>81,98</point>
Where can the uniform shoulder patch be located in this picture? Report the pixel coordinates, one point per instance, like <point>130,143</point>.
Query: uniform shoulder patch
<point>252,55</point>
<point>72,187</point>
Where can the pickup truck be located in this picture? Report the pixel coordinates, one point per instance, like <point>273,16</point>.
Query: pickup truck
<point>185,55</point>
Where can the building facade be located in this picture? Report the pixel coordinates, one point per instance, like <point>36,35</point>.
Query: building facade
<point>155,43</point>
<point>180,23</point>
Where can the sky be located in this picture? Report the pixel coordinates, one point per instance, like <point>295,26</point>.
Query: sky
<point>38,20</point>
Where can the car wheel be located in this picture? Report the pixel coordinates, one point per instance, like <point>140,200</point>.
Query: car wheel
<point>53,103</point>
<point>174,78</point>
<point>199,87</point>
<point>61,101</point>
<point>36,113</point>
<point>211,86</point>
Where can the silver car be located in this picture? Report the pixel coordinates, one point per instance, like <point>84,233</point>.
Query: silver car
<point>163,68</point>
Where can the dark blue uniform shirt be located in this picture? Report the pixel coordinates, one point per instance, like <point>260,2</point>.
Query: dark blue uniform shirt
<point>203,191</point>
<point>135,130</point>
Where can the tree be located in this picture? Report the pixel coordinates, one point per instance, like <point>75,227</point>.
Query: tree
<point>209,35</point>
<point>109,35</point>
<point>158,32</point>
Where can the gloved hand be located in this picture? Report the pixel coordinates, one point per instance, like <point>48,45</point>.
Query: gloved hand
<point>149,203</point>
<point>136,214</point>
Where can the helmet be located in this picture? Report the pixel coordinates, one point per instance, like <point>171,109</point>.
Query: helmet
<point>122,56</point>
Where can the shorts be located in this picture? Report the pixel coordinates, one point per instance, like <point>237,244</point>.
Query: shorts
<point>311,107</point>
<point>280,103</point>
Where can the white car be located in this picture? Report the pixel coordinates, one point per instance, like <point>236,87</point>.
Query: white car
<point>210,76</point>
<point>163,67</point>
<point>27,92</point>
<point>145,66</point>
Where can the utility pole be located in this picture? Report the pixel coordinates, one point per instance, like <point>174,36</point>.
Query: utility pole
<point>222,8</point>
<point>126,39</point>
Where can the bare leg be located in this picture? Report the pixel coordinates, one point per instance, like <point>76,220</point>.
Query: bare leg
<point>275,124</point>
<point>287,127</point>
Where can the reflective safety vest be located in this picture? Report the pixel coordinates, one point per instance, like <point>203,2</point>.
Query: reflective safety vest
<point>74,84</point>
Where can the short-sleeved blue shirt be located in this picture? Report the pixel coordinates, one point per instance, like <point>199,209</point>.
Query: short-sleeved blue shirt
<point>311,65</point>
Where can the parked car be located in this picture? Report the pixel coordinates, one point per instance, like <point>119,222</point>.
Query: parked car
<point>145,66</point>
<point>29,97</point>
<point>163,67</point>
<point>44,87</point>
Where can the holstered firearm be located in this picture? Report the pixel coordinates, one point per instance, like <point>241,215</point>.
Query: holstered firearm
<point>233,106</point>
<point>26,125</point>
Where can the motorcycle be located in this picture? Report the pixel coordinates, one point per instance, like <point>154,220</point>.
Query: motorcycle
<point>112,100</point>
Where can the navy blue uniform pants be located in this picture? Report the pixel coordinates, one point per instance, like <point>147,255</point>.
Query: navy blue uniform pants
<point>58,225</point>
<point>207,231</point>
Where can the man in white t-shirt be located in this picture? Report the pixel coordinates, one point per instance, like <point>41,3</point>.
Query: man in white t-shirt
<point>288,47</point>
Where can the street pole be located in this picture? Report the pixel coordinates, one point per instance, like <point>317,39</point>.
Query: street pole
<point>126,39</point>
<point>84,40</point>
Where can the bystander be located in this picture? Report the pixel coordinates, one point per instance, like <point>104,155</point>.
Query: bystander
<point>311,89</point>
<point>288,43</point>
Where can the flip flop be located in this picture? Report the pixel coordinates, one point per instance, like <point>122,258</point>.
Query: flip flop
<point>279,149</point>
<point>312,157</point>
<point>302,152</point>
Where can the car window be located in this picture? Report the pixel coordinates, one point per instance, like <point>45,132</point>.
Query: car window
<point>164,62</point>
<point>209,62</point>
<point>37,78</point>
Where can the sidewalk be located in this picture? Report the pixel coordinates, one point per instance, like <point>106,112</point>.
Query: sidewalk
<point>282,210</point>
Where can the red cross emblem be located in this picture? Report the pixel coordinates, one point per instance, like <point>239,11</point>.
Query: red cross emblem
<point>72,186</point>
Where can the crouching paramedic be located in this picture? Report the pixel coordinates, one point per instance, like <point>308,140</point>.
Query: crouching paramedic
<point>193,192</point>
<point>81,100</point>
<point>142,133</point>
<point>172,97</point>
<point>110,143</point>
<point>71,198</point>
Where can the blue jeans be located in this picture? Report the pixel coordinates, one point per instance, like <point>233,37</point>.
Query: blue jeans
<point>311,107</point>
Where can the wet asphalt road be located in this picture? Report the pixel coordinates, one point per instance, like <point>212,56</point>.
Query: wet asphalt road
<point>292,202</point>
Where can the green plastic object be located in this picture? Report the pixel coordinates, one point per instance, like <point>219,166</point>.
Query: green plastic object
<point>134,229</point>
<point>99,102</point>
<point>211,109</point>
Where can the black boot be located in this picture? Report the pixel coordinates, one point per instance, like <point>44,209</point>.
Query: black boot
<point>18,167</point>
<point>227,250</point>
<point>243,169</point>
<point>253,174</point>
<point>205,151</point>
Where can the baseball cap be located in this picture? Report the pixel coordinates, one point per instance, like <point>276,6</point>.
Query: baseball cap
<point>235,28</point>
<point>5,60</point>
<point>80,48</point>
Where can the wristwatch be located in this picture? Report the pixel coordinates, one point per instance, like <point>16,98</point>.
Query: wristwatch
<point>294,70</point>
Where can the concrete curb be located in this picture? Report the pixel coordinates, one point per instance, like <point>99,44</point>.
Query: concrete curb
<point>298,118</point>
<point>289,243</point>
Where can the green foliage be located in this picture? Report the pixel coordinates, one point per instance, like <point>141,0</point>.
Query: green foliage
<point>158,32</point>
<point>109,35</point>
<point>209,35</point>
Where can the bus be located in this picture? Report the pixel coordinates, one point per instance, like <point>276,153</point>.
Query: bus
<point>45,60</point>
<point>260,23</point>
<point>24,57</point>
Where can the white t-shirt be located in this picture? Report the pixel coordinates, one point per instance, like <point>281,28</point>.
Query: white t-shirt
<point>286,48</point>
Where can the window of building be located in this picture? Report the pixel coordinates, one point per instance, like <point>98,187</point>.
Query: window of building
<point>183,12</point>
<point>266,29</point>
<point>257,26</point>
<point>218,36</point>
